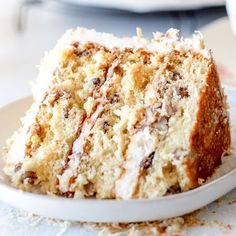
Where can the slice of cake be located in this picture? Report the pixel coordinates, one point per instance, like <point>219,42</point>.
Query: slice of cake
<point>121,118</point>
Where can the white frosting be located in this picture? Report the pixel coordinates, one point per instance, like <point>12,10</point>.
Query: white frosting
<point>142,144</point>
<point>162,42</point>
<point>78,145</point>
<point>39,87</point>
<point>16,152</point>
<point>77,150</point>
<point>87,126</point>
<point>46,69</point>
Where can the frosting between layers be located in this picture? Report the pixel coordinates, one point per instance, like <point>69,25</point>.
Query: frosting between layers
<point>80,141</point>
<point>17,151</point>
<point>142,144</point>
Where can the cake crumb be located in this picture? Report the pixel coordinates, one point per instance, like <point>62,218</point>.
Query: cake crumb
<point>217,201</point>
<point>169,227</point>
<point>200,181</point>
<point>172,227</point>
<point>229,226</point>
<point>192,220</point>
<point>232,201</point>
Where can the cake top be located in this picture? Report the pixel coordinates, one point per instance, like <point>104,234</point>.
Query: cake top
<point>161,42</point>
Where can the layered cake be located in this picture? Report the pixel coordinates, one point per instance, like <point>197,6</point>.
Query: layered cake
<point>121,118</point>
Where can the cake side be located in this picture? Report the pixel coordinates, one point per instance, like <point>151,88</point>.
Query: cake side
<point>204,106</point>
<point>210,138</point>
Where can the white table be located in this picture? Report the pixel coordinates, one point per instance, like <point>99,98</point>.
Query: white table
<point>219,218</point>
<point>19,53</point>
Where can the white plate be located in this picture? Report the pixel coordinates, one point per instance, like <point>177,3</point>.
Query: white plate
<point>143,6</point>
<point>92,210</point>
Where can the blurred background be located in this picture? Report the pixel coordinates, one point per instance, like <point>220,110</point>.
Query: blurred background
<point>29,28</point>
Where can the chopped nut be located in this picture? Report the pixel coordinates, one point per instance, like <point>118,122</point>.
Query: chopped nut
<point>200,181</point>
<point>87,147</point>
<point>37,129</point>
<point>82,53</point>
<point>147,161</point>
<point>105,126</point>
<point>68,194</point>
<point>90,189</point>
<point>96,81</point>
<point>183,92</point>
<point>66,112</point>
<point>74,44</point>
<point>176,76</point>
<point>114,99</point>
<point>72,180</point>
<point>18,166</point>
<point>29,177</point>
<point>167,169</point>
<point>174,189</point>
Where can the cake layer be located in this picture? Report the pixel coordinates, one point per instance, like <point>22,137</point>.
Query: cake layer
<point>122,118</point>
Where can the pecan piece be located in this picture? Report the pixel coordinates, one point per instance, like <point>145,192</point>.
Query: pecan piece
<point>114,99</point>
<point>183,92</point>
<point>176,76</point>
<point>147,161</point>
<point>30,177</point>
<point>67,194</point>
<point>18,166</point>
<point>105,126</point>
<point>90,189</point>
<point>37,129</point>
<point>82,53</point>
<point>66,112</point>
<point>74,44</point>
<point>96,81</point>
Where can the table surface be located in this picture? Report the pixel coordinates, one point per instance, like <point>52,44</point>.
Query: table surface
<point>219,218</point>
<point>21,51</point>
